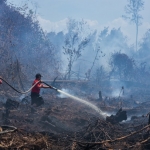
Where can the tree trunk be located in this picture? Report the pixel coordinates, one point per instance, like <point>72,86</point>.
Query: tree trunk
<point>136,41</point>
<point>69,69</point>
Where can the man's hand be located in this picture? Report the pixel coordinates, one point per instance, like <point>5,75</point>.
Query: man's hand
<point>0,81</point>
<point>50,87</point>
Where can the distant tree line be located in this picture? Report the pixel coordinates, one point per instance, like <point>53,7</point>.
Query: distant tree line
<point>24,47</point>
<point>81,53</point>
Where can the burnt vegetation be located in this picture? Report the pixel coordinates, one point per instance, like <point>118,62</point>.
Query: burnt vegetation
<point>98,67</point>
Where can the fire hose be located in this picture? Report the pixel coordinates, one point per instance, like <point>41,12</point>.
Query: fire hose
<point>28,89</point>
<point>7,128</point>
<point>69,95</point>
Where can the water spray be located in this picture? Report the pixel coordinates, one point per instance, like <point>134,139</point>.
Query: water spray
<point>84,102</point>
<point>60,91</point>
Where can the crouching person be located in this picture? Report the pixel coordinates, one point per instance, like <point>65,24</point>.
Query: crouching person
<point>35,92</point>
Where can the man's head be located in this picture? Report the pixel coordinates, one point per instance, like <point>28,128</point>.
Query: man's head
<point>38,76</point>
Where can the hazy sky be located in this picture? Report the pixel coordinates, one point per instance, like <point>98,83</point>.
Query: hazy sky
<point>52,14</point>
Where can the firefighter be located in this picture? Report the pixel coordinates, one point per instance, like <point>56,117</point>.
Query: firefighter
<point>35,92</point>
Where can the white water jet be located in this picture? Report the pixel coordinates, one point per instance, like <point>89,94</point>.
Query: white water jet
<point>85,102</point>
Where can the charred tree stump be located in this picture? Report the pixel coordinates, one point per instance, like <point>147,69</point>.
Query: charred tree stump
<point>100,95</point>
<point>9,105</point>
<point>120,116</point>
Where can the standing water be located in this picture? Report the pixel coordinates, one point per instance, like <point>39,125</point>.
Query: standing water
<point>84,102</point>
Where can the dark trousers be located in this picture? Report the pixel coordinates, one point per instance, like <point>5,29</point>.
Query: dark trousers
<point>36,99</point>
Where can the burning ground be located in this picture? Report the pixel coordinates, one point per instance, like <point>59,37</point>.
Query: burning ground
<point>63,123</point>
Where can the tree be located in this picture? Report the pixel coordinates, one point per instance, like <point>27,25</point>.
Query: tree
<point>100,75</point>
<point>75,42</point>
<point>144,50</point>
<point>121,66</point>
<point>22,41</point>
<point>113,39</point>
<point>97,52</point>
<point>133,8</point>
<point>143,54</point>
<point>2,1</point>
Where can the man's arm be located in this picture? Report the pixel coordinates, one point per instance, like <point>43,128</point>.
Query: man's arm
<point>0,81</point>
<point>44,86</point>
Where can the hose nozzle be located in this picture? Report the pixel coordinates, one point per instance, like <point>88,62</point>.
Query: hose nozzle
<point>54,88</point>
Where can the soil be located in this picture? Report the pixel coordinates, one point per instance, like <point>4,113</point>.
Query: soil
<point>65,124</point>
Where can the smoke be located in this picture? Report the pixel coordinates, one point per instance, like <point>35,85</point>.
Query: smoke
<point>115,93</point>
<point>98,110</point>
<point>61,95</point>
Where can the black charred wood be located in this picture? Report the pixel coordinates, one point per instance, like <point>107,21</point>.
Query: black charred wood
<point>11,104</point>
<point>5,114</point>
<point>149,119</point>
<point>100,95</point>
<point>87,146</point>
<point>120,116</point>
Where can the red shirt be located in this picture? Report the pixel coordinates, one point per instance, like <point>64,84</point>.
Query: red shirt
<point>36,88</point>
